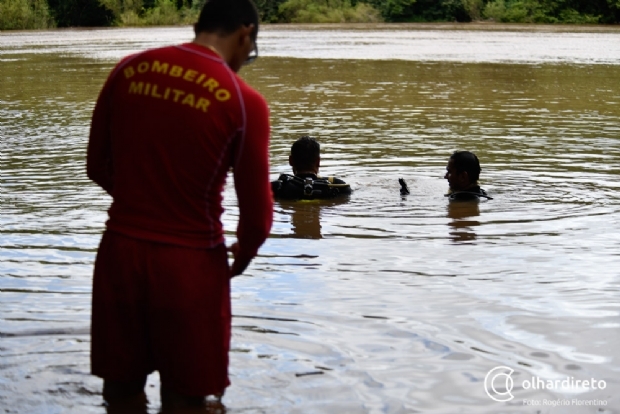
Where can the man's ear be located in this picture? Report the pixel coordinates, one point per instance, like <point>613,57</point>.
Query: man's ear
<point>290,162</point>
<point>246,32</point>
<point>465,176</point>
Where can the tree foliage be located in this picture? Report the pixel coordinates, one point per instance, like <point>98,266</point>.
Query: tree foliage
<point>38,14</point>
<point>71,13</point>
<point>394,10</point>
<point>532,11</point>
<point>25,14</point>
<point>269,10</point>
<point>327,11</point>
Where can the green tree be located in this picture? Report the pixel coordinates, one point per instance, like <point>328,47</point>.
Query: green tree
<point>168,12</point>
<point>549,11</point>
<point>25,14</point>
<point>394,10</point>
<point>442,10</point>
<point>473,8</point>
<point>327,11</point>
<point>71,13</point>
<point>37,14</point>
<point>611,13</point>
<point>268,10</point>
<point>127,9</point>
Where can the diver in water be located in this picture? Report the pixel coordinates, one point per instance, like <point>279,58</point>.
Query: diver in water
<point>462,173</point>
<point>305,160</point>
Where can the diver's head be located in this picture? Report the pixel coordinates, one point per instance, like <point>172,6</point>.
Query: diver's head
<point>463,170</point>
<point>305,156</point>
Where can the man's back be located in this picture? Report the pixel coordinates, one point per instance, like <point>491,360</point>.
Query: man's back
<point>168,176</point>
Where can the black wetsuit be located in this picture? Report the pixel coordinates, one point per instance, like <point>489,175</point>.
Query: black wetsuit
<point>308,186</point>
<point>472,193</point>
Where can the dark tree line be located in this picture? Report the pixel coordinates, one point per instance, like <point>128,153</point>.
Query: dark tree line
<point>517,11</point>
<point>25,14</point>
<point>72,13</point>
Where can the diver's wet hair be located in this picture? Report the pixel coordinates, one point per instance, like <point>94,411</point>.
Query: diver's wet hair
<point>226,16</point>
<point>467,161</point>
<point>304,153</point>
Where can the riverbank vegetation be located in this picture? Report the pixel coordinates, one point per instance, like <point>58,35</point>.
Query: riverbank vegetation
<point>42,14</point>
<point>25,14</point>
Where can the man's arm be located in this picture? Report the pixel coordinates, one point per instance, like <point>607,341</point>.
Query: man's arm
<point>251,174</point>
<point>99,153</point>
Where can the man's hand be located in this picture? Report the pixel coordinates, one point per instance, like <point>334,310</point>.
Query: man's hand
<point>240,263</point>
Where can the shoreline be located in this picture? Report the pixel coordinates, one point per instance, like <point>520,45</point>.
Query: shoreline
<point>474,26</point>
<point>441,26</point>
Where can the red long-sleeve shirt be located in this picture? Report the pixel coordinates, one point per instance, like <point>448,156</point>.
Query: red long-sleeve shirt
<point>168,125</point>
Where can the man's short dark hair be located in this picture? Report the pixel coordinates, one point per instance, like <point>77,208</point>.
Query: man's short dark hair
<point>467,161</point>
<point>304,153</point>
<point>226,16</point>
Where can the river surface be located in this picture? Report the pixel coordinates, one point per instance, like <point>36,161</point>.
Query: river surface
<point>376,303</point>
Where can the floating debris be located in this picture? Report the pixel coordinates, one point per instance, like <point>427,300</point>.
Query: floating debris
<point>303,374</point>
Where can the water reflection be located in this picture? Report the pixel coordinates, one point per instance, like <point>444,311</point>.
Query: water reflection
<point>305,216</point>
<point>141,405</point>
<point>462,226</point>
<point>136,405</point>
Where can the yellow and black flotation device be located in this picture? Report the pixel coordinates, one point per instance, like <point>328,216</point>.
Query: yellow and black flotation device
<point>293,187</point>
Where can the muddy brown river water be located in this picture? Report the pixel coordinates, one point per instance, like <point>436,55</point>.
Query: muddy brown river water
<point>373,304</point>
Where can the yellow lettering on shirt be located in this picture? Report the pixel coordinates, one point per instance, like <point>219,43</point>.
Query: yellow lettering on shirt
<point>211,84</point>
<point>176,71</point>
<point>188,100</point>
<point>203,104</point>
<point>177,94</point>
<point>160,67</point>
<point>154,93</point>
<point>190,75</point>
<point>136,87</point>
<point>222,95</point>
<point>143,67</point>
<point>166,92</point>
<point>129,72</point>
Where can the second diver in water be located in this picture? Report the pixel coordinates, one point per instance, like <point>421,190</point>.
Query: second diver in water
<point>305,184</point>
<point>462,173</point>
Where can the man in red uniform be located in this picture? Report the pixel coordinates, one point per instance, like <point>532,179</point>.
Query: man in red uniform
<point>168,125</point>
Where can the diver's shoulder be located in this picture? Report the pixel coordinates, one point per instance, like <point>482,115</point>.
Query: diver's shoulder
<point>471,194</point>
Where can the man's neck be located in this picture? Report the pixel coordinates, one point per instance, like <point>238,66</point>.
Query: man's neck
<point>470,187</point>
<point>305,173</point>
<point>215,43</point>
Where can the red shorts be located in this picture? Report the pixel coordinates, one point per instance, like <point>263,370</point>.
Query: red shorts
<point>161,307</point>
